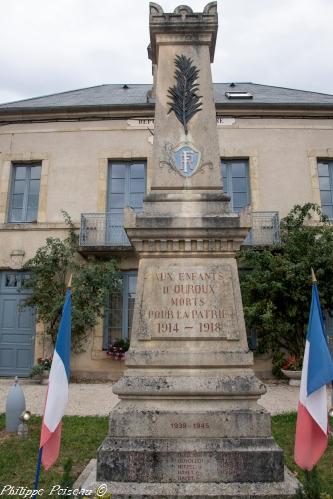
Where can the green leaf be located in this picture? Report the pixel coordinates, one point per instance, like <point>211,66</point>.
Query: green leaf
<point>92,282</point>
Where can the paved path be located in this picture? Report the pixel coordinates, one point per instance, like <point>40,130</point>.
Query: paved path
<point>98,399</point>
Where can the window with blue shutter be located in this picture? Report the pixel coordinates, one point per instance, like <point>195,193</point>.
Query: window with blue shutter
<point>119,313</point>
<point>126,187</point>
<point>235,176</point>
<point>325,175</point>
<point>24,196</point>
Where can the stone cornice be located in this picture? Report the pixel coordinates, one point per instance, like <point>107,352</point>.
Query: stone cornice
<point>13,116</point>
<point>184,25</point>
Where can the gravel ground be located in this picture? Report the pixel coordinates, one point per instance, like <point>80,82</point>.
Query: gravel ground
<point>98,399</point>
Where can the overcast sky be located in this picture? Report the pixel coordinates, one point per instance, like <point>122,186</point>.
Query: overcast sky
<point>50,46</point>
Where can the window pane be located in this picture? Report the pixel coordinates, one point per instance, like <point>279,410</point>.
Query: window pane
<point>138,170</point>
<point>32,214</point>
<point>122,307</point>
<point>115,317</point>
<point>323,169</point>
<point>16,215</point>
<point>224,170</point>
<point>131,302</point>
<point>324,183</point>
<point>326,197</point>
<point>33,201</point>
<point>17,201</point>
<point>117,201</point>
<point>138,185</point>
<point>19,186</point>
<point>35,172</point>
<point>239,185</point>
<point>328,210</point>
<point>118,171</point>
<point>11,281</point>
<point>132,279</point>
<point>136,200</point>
<point>34,187</point>
<point>239,170</point>
<point>20,172</point>
<point>118,185</point>
<point>239,200</point>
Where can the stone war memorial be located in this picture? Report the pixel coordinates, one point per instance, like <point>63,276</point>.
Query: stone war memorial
<point>188,423</point>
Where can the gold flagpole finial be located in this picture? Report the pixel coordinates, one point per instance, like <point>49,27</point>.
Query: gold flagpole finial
<point>69,285</point>
<point>313,275</point>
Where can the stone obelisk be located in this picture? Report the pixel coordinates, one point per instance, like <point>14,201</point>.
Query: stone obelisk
<point>188,423</point>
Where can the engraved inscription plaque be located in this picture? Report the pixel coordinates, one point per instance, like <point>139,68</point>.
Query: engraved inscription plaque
<point>190,302</point>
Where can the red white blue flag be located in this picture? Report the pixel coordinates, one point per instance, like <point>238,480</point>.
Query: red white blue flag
<point>312,417</point>
<point>57,394</point>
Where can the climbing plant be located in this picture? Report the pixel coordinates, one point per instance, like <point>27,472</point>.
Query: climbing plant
<point>49,272</point>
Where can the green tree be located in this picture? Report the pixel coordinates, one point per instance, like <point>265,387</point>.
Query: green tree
<point>276,281</point>
<point>49,272</point>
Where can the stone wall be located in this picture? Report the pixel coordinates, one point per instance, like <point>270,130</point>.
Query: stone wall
<point>282,156</point>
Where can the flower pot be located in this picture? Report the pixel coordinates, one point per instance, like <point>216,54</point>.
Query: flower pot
<point>40,378</point>
<point>293,376</point>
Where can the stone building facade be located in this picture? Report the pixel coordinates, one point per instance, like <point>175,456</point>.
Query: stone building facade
<point>89,152</point>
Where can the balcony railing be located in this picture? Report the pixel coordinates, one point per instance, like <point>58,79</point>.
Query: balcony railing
<point>265,228</point>
<point>106,230</point>
<point>103,229</point>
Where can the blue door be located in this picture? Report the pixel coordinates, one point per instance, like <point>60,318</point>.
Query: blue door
<point>126,187</point>
<point>17,327</point>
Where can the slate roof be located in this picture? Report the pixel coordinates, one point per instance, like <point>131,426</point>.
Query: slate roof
<point>138,95</point>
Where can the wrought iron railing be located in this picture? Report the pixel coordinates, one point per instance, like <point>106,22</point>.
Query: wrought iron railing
<point>106,229</point>
<point>265,228</point>
<point>103,229</point>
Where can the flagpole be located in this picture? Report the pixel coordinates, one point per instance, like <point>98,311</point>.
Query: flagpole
<point>38,468</point>
<point>69,285</point>
<point>40,452</point>
<point>314,279</point>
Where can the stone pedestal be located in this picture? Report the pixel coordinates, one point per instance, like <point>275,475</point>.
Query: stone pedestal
<point>188,410</point>
<point>188,423</point>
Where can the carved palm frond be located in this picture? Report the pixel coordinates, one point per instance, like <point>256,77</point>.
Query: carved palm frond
<point>185,101</point>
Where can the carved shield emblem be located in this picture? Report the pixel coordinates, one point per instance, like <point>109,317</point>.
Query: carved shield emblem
<point>186,160</point>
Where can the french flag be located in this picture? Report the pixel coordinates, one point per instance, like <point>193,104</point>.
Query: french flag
<point>312,418</point>
<point>57,394</point>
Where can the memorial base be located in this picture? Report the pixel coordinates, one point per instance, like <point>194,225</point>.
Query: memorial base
<point>190,460</point>
<point>285,489</point>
